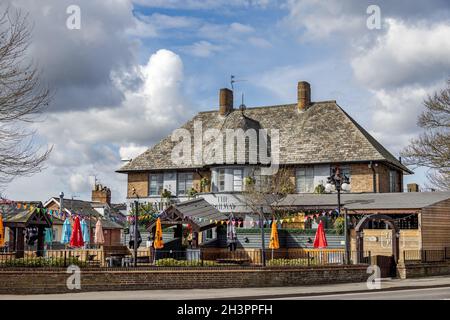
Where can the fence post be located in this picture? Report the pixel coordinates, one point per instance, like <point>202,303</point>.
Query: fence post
<point>65,259</point>
<point>308,258</point>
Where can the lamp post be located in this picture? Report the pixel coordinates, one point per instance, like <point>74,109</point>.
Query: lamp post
<point>340,182</point>
<point>135,226</point>
<point>263,244</point>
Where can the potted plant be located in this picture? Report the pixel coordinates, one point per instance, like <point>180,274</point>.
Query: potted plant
<point>192,193</point>
<point>248,181</point>
<point>204,184</point>
<point>320,189</point>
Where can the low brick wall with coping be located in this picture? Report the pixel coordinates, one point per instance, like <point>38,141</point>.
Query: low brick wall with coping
<point>45,281</point>
<point>407,269</point>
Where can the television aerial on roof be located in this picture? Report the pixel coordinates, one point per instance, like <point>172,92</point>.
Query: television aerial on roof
<point>233,81</point>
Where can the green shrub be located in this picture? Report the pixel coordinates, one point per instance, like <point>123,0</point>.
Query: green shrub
<point>170,262</point>
<point>290,262</point>
<point>37,262</point>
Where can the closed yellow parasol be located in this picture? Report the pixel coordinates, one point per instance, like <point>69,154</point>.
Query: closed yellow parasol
<point>158,243</point>
<point>2,232</point>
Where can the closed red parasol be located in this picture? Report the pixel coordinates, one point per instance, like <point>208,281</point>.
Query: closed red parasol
<point>76,239</point>
<point>320,241</point>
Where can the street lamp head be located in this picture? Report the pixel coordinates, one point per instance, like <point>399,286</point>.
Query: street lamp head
<point>345,186</point>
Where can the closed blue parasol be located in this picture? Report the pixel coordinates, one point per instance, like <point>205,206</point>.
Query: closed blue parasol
<point>85,231</point>
<point>66,231</point>
<point>48,236</point>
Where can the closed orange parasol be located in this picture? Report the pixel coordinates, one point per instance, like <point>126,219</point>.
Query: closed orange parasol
<point>2,232</point>
<point>158,243</point>
<point>274,243</point>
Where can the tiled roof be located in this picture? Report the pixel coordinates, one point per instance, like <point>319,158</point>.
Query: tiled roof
<point>323,133</point>
<point>86,209</point>
<point>366,201</point>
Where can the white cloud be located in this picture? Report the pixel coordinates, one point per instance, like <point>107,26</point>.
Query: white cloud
<point>92,142</point>
<point>406,54</point>
<point>395,114</point>
<point>79,182</point>
<point>317,20</point>
<point>404,65</point>
<point>203,4</point>
<point>259,42</point>
<point>202,49</point>
<point>131,151</point>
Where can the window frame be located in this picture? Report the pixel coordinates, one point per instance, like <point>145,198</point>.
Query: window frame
<point>393,181</point>
<point>306,177</point>
<point>241,176</point>
<point>222,172</point>
<point>184,181</point>
<point>159,183</point>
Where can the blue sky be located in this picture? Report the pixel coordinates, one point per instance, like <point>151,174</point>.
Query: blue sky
<point>138,69</point>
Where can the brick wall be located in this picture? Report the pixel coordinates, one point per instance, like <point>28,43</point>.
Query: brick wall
<point>29,281</point>
<point>362,178</point>
<point>414,270</point>
<point>140,182</point>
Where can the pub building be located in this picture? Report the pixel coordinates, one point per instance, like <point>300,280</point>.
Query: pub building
<point>315,137</point>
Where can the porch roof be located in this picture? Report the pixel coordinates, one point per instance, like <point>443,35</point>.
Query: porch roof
<point>22,218</point>
<point>365,201</point>
<point>197,212</point>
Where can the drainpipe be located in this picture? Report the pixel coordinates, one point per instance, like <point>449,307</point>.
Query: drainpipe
<point>374,177</point>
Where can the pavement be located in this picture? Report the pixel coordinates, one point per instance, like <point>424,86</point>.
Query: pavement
<point>432,287</point>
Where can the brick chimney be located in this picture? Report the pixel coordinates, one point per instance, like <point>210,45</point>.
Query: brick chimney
<point>412,187</point>
<point>303,95</point>
<point>101,194</point>
<point>225,101</point>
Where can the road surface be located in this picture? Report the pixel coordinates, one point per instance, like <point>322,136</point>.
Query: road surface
<point>405,294</point>
<point>421,288</point>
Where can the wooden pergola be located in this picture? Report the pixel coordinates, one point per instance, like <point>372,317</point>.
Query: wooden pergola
<point>19,219</point>
<point>197,212</point>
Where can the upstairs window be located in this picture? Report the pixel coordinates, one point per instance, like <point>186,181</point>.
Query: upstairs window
<point>263,182</point>
<point>221,180</point>
<point>304,177</point>
<point>184,182</point>
<point>156,184</point>
<point>392,181</point>
<point>237,179</point>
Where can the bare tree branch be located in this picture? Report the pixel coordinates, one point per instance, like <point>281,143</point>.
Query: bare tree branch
<point>432,148</point>
<point>22,100</point>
